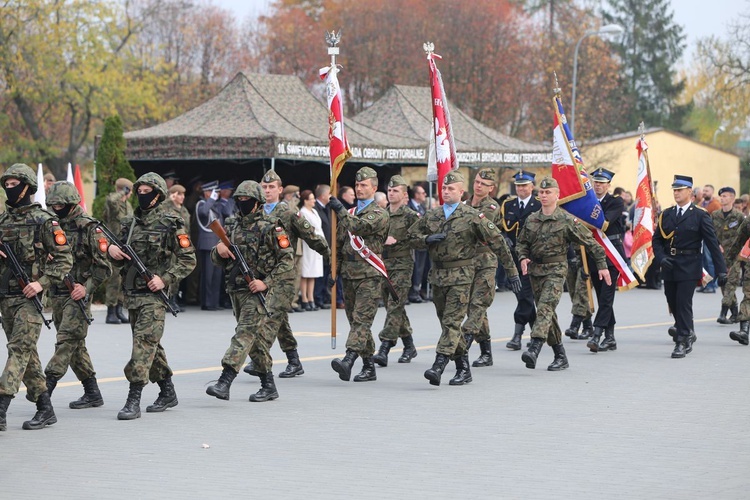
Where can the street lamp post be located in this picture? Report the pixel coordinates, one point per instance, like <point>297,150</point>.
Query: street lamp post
<point>609,29</point>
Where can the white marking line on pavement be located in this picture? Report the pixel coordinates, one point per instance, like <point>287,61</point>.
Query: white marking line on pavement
<point>333,356</point>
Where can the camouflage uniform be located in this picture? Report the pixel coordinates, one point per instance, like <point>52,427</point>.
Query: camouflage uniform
<point>731,253</point>
<point>90,268</point>
<point>577,288</point>
<point>726,227</point>
<point>269,253</point>
<point>39,243</point>
<point>453,269</point>
<point>115,211</point>
<point>181,211</point>
<point>160,239</point>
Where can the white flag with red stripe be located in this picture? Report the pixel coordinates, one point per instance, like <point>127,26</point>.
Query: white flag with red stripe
<point>442,155</point>
<point>338,144</point>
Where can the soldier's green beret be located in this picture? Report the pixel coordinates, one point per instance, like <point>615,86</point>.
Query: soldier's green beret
<point>366,173</point>
<point>452,177</point>
<point>487,174</point>
<point>397,180</point>
<point>548,183</point>
<point>271,176</point>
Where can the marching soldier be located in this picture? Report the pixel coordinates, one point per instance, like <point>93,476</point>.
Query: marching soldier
<point>452,234</point>
<point>476,326</point>
<point>677,243</point>
<point>296,227</point>
<point>162,243</point>
<point>576,281</point>
<point>514,213</point>
<point>266,247</point>
<point>542,251</point>
<point>360,238</point>
<point>614,229</point>
<point>116,209</point>
<point>727,222</point>
<point>400,265</point>
<point>35,237</point>
<point>90,269</point>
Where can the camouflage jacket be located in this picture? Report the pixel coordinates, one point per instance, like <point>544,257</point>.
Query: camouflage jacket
<point>39,244</point>
<point>91,266</point>
<point>544,239</point>
<point>486,258</point>
<point>180,211</point>
<point>398,255</point>
<point>372,225</point>
<point>453,258</point>
<point>297,227</point>
<point>116,210</point>
<point>266,248</point>
<point>727,226</point>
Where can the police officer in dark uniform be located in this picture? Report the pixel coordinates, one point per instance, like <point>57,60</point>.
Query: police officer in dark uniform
<point>677,243</point>
<point>614,228</point>
<point>514,213</point>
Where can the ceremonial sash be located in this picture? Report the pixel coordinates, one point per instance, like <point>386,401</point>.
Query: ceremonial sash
<point>359,246</point>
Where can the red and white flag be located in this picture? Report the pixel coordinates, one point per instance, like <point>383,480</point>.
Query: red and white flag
<point>442,157</point>
<point>338,144</point>
<point>78,182</point>
<point>642,253</point>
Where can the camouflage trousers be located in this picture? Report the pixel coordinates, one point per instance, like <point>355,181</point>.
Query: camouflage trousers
<point>745,304</point>
<point>256,332</point>
<point>297,283</point>
<point>361,298</point>
<point>482,295</point>
<point>113,288</point>
<point>578,292</point>
<point>728,291</point>
<point>148,361</point>
<point>548,289</point>
<point>70,345</point>
<point>451,305</point>
<point>287,342</point>
<point>396,321</point>
<point>22,324</point>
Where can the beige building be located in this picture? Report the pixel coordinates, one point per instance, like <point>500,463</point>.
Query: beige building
<point>669,153</point>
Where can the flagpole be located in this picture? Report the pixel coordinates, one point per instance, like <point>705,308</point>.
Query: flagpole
<point>332,39</point>
<point>654,201</point>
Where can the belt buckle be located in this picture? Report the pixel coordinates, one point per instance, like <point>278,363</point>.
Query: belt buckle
<point>672,251</point>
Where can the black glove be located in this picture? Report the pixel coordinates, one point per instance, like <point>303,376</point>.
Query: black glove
<point>330,281</point>
<point>584,274</point>
<point>721,279</point>
<point>667,264</point>
<point>515,284</point>
<point>435,238</point>
<point>336,205</point>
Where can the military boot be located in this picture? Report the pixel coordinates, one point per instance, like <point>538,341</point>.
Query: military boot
<point>469,338</point>
<point>344,366</point>
<point>735,313</point>
<point>463,372</point>
<point>92,397</point>
<point>485,356</point>
<point>267,390</point>
<point>120,313</point>
<point>250,370</point>
<point>742,335</point>
<point>593,343</point>
<point>381,358</point>
<point>672,331</point>
<point>561,360</point>
<point>293,367</point>
<point>410,351</point>
<point>368,371</point>
<point>167,397</point>
<point>588,329</point>
<point>51,384</point>
<point>530,356</point>
<point>4,403</point>
<point>680,346</point>
<point>221,388</point>
<point>112,318</point>
<point>609,343</point>
<point>45,414</point>
<point>132,408</point>
<point>434,373</point>
<point>722,319</point>
<point>515,343</point>
<point>575,324</point>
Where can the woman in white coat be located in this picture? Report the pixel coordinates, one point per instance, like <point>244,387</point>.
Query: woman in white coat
<point>311,264</point>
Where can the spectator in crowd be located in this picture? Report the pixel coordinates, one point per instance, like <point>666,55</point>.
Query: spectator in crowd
<point>206,211</point>
<point>381,199</point>
<point>49,179</point>
<point>710,203</point>
<point>291,196</point>
<point>322,294</point>
<point>347,196</point>
<point>311,265</point>
<point>171,179</point>
<point>745,198</point>
<point>417,203</point>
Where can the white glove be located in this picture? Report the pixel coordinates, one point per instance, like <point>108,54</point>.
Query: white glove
<point>215,194</point>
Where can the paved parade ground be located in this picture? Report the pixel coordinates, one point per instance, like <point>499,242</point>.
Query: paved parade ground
<point>627,424</point>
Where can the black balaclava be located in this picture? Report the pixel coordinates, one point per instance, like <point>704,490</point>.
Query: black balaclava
<point>64,211</point>
<point>145,200</point>
<point>248,206</point>
<point>18,195</point>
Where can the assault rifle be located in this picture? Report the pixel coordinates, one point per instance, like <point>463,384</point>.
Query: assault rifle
<point>140,267</point>
<point>70,284</point>
<point>23,279</point>
<point>245,269</point>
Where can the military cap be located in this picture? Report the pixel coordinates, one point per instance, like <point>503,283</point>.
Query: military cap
<point>49,177</point>
<point>290,189</point>
<point>176,188</point>
<point>154,180</point>
<point>122,182</point>
<point>23,173</point>
<point>397,180</point>
<point>487,174</point>
<point>548,183</point>
<point>226,185</point>
<point>271,176</point>
<point>452,177</point>
<point>210,186</point>
<point>366,173</point>
<point>682,182</point>
<point>171,175</point>
<point>602,175</point>
<point>523,177</point>
<point>727,189</point>
<point>63,193</point>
